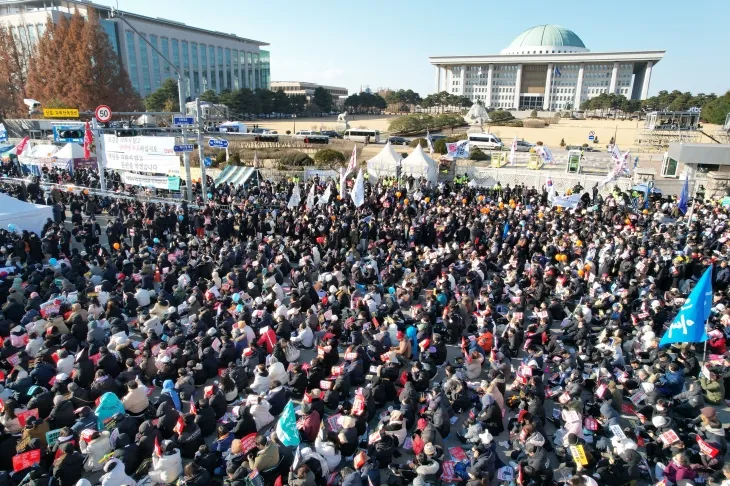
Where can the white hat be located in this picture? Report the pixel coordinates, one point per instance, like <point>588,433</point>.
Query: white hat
<point>486,437</point>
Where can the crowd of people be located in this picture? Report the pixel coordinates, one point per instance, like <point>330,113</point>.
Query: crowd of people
<point>436,334</point>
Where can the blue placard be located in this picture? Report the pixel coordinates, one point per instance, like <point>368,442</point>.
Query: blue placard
<point>207,161</point>
<point>59,135</point>
<point>183,120</point>
<point>217,143</point>
<point>189,147</point>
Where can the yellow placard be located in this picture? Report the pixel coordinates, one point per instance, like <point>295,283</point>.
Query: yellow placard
<point>60,113</point>
<point>579,455</point>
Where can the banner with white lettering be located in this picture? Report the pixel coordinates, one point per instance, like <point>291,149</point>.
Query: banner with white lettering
<point>170,183</point>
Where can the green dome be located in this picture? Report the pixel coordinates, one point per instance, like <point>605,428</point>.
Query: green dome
<point>548,35</point>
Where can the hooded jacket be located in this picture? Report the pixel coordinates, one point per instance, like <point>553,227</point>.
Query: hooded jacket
<point>95,451</point>
<point>116,476</point>
<point>166,469</point>
<point>135,401</point>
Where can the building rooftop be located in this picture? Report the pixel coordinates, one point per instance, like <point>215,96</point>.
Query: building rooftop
<point>546,38</point>
<point>70,5</point>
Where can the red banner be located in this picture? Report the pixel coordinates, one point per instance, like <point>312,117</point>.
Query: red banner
<point>26,460</point>
<point>706,448</point>
<point>248,443</point>
<point>23,416</point>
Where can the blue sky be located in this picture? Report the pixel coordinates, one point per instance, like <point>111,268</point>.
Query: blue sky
<point>387,43</point>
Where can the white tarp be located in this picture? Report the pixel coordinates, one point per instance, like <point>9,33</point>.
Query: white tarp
<point>232,127</point>
<point>71,151</point>
<point>142,154</point>
<point>25,216</point>
<point>171,183</point>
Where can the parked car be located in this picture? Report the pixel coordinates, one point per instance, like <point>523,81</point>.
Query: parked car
<point>523,146</point>
<point>330,134</point>
<point>398,141</point>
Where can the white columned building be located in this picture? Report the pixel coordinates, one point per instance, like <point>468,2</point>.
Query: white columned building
<point>548,86</point>
<point>546,67</point>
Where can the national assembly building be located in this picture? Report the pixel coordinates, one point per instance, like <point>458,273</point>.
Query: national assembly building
<point>545,68</point>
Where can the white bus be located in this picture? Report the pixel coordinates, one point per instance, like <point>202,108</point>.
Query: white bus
<point>361,134</point>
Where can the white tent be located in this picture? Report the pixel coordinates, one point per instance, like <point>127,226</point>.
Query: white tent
<point>25,216</point>
<point>70,151</point>
<point>385,163</point>
<point>418,164</point>
<point>232,127</point>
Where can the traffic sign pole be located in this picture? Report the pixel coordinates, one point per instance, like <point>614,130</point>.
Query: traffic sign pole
<point>203,180</point>
<point>100,155</point>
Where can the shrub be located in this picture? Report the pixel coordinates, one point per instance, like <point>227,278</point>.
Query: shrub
<point>288,132</point>
<point>556,118</point>
<point>439,146</point>
<point>562,142</point>
<point>534,123</point>
<point>500,115</point>
<point>220,157</point>
<point>533,114</point>
<point>329,157</point>
<point>584,145</point>
<point>477,154</point>
<point>595,140</point>
<point>234,160</point>
<point>417,141</point>
<point>297,159</point>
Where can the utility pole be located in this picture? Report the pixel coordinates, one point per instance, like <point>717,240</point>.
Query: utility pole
<point>203,179</point>
<point>181,86</point>
<point>100,165</point>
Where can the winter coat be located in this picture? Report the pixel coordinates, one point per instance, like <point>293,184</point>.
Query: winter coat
<point>135,401</point>
<point>117,476</point>
<point>266,458</point>
<point>166,469</point>
<point>261,414</point>
<point>95,451</point>
<point>328,451</point>
<point>70,470</point>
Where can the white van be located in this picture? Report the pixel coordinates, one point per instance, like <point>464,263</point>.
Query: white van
<point>362,134</point>
<point>485,141</point>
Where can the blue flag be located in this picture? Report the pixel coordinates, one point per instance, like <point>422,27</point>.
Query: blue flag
<point>505,230</point>
<point>684,197</point>
<point>286,427</point>
<point>689,325</point>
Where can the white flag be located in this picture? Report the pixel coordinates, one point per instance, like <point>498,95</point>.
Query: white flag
<point>513,152</point>
<point>295,198</point>
<point>358,190</point>
<point>429,141</point>
<point>550,189</point>
<point>255,159</point>
<point>343,179</point>
<point>325,198</point>
<point>310,196</point>
<point>353,161</point>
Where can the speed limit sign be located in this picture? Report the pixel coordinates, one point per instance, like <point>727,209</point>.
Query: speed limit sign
<point>103,113</point>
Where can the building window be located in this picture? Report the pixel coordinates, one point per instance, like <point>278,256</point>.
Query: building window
<point>146,85</point>
<point>236,82</point>
<point>196,79</point>
<point>166,53</point>
<point>132,55</point>
<point>219,63</point>
<point>176,53</point>
<point>156,80</point>
<point>213,77</point>
<point>244,77</point>
<point>229,80</point>
<point>204,66</point>
<point>186,66</point>
<point>250,71</point>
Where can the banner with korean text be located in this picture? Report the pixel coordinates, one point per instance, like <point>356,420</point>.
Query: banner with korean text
<point>170,183</point>
<point>142,154</point>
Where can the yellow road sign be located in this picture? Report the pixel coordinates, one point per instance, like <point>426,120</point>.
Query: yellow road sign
<point>60,113</point>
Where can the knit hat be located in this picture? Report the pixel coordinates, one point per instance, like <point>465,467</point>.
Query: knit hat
<point>429,449</point>
<point>708,412</point>
<point>658,421</point>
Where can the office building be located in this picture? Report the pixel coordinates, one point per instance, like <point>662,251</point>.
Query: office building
<point>208,59</point>
<point>546,68</point>
<point>292,88</point>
